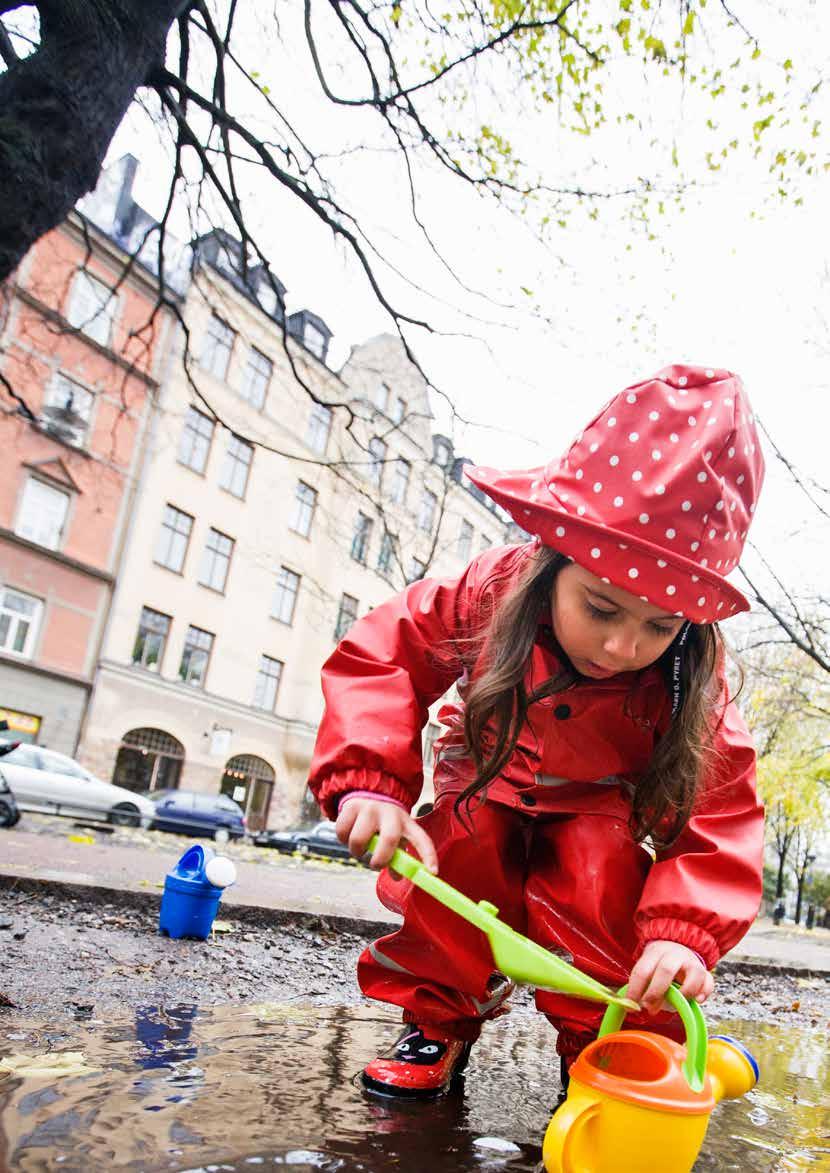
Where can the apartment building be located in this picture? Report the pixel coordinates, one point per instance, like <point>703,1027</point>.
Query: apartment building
<point>279,500</point>
<point>77,378</point>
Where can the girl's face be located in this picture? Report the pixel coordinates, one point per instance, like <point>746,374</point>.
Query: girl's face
<point>604,630</point>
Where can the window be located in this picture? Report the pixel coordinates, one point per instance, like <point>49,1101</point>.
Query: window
<point>442,452</point>
<point>361,538</point>
<point>426,513</point>
<point>171,546</point>
<point>196,437</point>
<point>346,615</point>
<point>153,629</point>
<point>431,733</point>
<point>58,763</point>
<point>315,340</point>
<point>66,410</point>
<point>42,514</point>
<point>235,470</point>
<point>398,411</point>
<point>216,560</point>
<point>256,377</point>
<point>305,500</point>
<point>267,683</point>
<point>400,481</point>
<point>92,306</point>
<point>381,397</point>
<point>377,454</point>
<point>319,426</point>
<point>465,540</point>
<point>417,569</point>
<point>386,553</point>
<point>217,346</point>
<point>19,621</point>
<point>285,595</point>
<point>195,656</point>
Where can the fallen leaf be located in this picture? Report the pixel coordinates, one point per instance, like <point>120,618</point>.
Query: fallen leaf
<point>85,839</point>
<point>223,926</point>
<point>48,1066</point>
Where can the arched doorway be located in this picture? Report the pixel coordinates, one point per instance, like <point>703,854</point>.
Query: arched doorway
<point>148,759</point>
<point>249,781</point>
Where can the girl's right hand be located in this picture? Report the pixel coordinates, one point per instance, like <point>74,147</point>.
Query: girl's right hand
<point>361,818</point>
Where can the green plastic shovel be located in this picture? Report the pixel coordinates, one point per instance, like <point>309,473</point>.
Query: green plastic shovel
<point>515,956</point>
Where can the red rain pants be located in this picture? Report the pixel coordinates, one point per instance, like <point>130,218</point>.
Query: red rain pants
<point>569,882</point>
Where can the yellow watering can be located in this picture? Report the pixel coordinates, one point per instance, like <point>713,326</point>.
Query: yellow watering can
<point>640,1103</point>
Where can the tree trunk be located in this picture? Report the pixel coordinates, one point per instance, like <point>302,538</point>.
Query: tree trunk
<point>60,107</point>
<point>779,883</point>
<point>797,918</point>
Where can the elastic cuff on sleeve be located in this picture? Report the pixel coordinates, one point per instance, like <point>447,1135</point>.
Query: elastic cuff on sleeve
<point>346,781</point>
<point>666,928</point>
<point>373,795</point>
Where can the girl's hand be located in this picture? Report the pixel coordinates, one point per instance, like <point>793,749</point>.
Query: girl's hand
<point>361,818</point>
<point>661,963</point>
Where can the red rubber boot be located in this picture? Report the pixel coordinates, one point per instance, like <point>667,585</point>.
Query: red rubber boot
<point>422,1064</point>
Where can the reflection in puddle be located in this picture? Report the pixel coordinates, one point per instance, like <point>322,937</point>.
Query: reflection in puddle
<point>237,1087</point>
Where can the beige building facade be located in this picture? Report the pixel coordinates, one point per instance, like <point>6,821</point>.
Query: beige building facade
<point>278,501</point>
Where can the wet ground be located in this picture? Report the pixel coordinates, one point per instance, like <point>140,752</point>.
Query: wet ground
<point>235,1087</point>
<point>241,1051</point>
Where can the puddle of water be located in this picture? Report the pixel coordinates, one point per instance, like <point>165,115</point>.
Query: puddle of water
<point>234,1088</point>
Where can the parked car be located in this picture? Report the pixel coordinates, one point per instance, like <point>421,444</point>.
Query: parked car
<point>43,780</point>
<point>317,840</point>
<point>188,813</point>
<point>9,811</point>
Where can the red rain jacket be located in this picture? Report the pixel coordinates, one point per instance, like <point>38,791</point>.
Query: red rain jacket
<point>572,753</point>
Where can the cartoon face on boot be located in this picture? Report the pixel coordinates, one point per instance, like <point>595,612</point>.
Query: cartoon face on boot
<point>415,1047</point>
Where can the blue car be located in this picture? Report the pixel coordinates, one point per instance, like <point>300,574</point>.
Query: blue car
<point>188,813</point>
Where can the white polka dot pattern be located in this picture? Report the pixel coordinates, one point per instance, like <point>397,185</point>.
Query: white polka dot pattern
<point>679,522</point>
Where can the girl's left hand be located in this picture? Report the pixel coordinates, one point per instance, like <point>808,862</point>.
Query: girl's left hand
<point>661,963</point>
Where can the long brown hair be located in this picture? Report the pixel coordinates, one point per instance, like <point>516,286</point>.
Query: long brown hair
<point>497,703</point>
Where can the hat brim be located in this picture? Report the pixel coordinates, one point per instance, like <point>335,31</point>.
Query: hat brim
<point>567,532</point>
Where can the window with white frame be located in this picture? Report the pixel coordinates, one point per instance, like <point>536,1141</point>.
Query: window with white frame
<point>305,501</point>
<point>256,377</point>
<point>319,427</point>
<point>20,616</point>
<point>198,645</point>
<point>346,615</point>
<point>151,639</point>
<point>417,569</point>
<point>381,397</point>
<point>386,554</point>
<point>67,407</point>
<point>217,345</point>
<point>173,539</point>
<point>216,560</point>
<point>361,538</point>
<point>377,455</point>
<point>237,466</point>
<point>426,510</point>
<point>315,340</point>
<point>285,595</point>
<point>42,515</point>
<point>92,307</point>
<point>400,481</point>
<point>442,452</point>
<point>397,412</point>
<point>195,440</point>
<point>267,684</point>
<point>465,540</point>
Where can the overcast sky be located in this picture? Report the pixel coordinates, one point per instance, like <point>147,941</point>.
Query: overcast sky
<point>737,279</point>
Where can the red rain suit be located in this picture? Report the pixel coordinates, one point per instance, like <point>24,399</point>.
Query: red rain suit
<point>552,848</point>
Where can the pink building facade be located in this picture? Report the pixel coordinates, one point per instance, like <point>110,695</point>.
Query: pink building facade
<point>81,351</point>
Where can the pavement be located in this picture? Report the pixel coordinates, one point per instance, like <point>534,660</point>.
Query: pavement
<point>46,851</point>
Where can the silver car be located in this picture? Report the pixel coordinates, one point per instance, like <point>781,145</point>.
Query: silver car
<point>43,780</point>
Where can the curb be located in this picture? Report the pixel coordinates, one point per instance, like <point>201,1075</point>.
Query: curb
<point>256,915</point>
<point>247,914</point>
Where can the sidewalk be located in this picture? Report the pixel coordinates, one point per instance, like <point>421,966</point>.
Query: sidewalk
<point>304,887</point>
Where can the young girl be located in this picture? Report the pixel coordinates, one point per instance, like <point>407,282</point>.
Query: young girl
<point>595,719</point>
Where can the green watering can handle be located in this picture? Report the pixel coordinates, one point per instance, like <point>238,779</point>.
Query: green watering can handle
<point>697,1039</point>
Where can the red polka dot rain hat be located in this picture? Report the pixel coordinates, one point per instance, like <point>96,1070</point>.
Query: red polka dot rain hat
<point>656,495</point>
